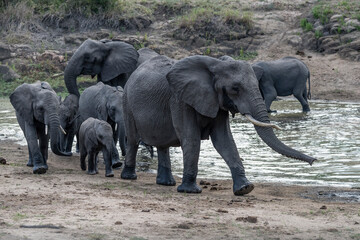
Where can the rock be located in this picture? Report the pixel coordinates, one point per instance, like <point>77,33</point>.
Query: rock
<point>335,18</point>
<point>323,207</point>
<point>2,161</point>
<point>352,22</point>
<point>7,74</point>
<point>319,28</point>
<point>76,39</point>
<point>294,40</point>
<point>5,51</point>
<point>52,55</point>
<point>249,219</point>
<point>184,226</point>
<point>118,223</point>
<point>222,210</point>
<point>204,182</point>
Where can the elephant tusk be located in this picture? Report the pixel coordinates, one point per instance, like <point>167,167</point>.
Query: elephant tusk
<point>116,126</point>
<point>46,129</point>
<point>62,129</point>
<point>261,124</point>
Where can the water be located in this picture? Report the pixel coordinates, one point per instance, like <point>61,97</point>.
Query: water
<point>330,133</point>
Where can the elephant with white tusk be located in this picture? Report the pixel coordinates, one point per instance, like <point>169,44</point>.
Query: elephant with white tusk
<point>179,103</point>
<point>37,109</point>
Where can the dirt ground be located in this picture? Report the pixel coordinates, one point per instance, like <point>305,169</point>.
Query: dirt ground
<point>66,203</point>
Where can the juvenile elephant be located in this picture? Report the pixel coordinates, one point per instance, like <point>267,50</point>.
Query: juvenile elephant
<point>105,102</point>
<point>68,115</point>
<point>111,61</point>
<point>169,103</point>
<point>94,136</point>
<point>37,108</point>
<point>283,77</point>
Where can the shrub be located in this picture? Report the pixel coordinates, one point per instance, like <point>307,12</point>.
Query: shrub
<point>303,23</point>
<point>318,34</point>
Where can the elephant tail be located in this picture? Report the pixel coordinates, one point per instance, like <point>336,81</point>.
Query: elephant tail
<point>309,92</point>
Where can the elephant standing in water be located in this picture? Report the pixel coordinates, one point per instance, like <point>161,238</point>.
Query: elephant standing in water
<point>37,107</point>
<point>68,120</point>
<point>169,103</point>
<point>111,61</point>
<point>283,77</point>
<point>94,136</point>
<point>105,102</point>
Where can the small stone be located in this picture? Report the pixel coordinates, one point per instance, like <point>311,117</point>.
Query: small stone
<point>204,182</point>
<point>356,223</point>
<point>145,210</point>
<point>172,209</point>
<point>332,230</point>
<point>323,207</point>
<point>222,210</point>
<point>2,160</point>
<point>213,189</point>
<point>183,226</point>
<point>249,219</point>
<point>6,176</point>
<point>118,223</point>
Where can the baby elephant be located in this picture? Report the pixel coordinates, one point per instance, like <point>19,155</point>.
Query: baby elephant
<point>94,136</point>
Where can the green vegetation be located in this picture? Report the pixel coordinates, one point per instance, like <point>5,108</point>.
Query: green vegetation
<point>19,216</point>
<point>245,56</point>
<point>322,12</point>
<point>318,34</point>
<point>306,25</point>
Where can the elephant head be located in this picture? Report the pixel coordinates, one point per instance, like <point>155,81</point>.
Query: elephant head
<point>106,60</point>
<point>38,103</point>
<point>208,85</point>
<point>68,115</point>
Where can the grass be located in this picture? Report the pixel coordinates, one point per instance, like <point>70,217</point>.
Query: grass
<point>19,216</point>
<point>245,56</point>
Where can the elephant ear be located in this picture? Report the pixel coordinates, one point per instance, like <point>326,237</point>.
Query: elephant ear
<point>22,99</point>
<point>258,71</point>
<point>121,59</point>
<point>192,82</point>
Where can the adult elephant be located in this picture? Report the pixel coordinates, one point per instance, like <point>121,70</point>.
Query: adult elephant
<point>145,54</point>
<point>111,61</point>
<point>68,115</point>
<point>105,102</point>
<point>168,103</point>
<point>37,106</point>
<point>283,77</point>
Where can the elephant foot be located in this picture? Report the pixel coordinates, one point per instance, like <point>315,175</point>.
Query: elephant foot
<point>40,169</point>
<point>306,109</point>
<point>92,172</point>
<point>83,166</point>
<point>116,165</point>
<point>189,188</point>
<point>241,185</point>
<point>271,111</point>
<point>109,174</point>
<point>30,163</point>
<point>128,173</point>
<point>165,177</point>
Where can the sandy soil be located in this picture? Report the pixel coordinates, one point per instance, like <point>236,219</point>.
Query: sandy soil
<point>66,203</point>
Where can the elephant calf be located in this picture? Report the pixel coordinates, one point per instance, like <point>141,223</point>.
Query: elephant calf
<point>94,136</point>
<point>283,77</point>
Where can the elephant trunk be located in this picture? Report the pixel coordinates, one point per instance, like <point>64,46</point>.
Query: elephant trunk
<point>267,134</point>
<point>54,129</point>
<point>70,76</point>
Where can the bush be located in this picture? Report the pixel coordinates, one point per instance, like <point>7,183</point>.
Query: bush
<point>318,34</point>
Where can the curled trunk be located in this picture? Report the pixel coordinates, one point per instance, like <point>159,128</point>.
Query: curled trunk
<point>267,134</point>
<point>70,75</point>
<point>54,131</point>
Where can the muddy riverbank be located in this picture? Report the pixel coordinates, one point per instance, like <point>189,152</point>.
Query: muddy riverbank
<point>66,203</point>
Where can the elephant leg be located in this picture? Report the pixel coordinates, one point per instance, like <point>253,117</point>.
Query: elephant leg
<point>270,95</point>
<point>302,97</point>
<point>30,161</point>
<point>91,163</point>
<point>190,137</point>
<point>96,162</point>
<point>108,162</point>
<point>69,141</point>
<point>43,143</point>
<point>224,144</point>
<point>164,175</point>
<point>35,153</point>
<point>132,146</point>
<point>83,154</point>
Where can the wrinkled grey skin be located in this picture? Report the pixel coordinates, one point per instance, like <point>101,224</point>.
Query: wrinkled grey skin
<point>94,136</point>
<point>145,54</point>
<point>68,120</point>
<point>188,101</point>
<point>37,105</point>
<point>283,77</point>
<point>105,102</point>
<point>111,61</point>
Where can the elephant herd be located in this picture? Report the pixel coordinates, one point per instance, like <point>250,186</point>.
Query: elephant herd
<point>144,97</point>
